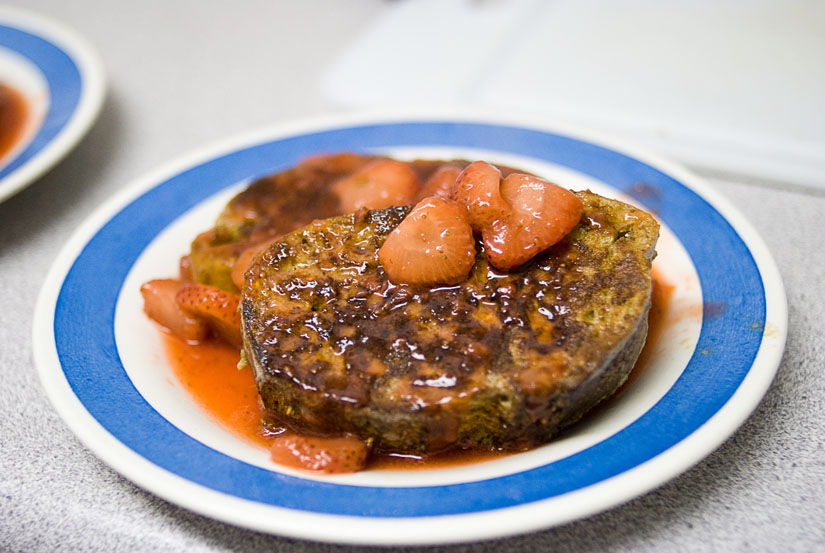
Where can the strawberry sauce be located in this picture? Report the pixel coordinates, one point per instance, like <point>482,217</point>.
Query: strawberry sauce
<point>14,113</point>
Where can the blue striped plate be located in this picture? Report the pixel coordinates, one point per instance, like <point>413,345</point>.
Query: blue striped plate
<point>61,78</point>
<point>103,367</point>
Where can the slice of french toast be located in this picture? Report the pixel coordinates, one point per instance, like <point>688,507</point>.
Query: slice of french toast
<point>501,360</point>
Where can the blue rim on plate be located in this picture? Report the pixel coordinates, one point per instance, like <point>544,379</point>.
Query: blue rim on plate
<point>728,344</point>
<point>76,88</point>
<point>63,78</point>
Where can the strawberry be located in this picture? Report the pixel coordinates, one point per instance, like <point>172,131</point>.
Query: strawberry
<point>159,304</point>
<point>245,260</point>
<point>440,183</point>
<point>542,214</point>
<point>518,217</point>
<point>433,244</point>
<point>343,162</point>
<point>185,268</point>
<point>216,307</point>
<point>330,455</point>
<point>382,183</point>
<point>477,187</point>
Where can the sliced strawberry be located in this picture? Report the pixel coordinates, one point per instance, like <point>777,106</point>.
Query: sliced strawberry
<point>548,211</point>
<point>440,183</point>
<point>433,245</point>
<point>330,455</point>
<point>542,214</point>
<point>477,187</point>
<point>245,259</point>
<point>185,268</point>
<point>159,304</point>
<point>343,162</point>
<point>518,217</point>
<point>216,307</point>
<point>382,183</point>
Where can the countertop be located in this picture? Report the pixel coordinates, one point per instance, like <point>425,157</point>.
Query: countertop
<point>175,84</point>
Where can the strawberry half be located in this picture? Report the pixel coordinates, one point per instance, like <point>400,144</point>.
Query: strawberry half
<point>433,245</point>
<point>542,214</point>
<point>245,260</point>
<point>478,187</point>
<point>216,307</point>
<point>329,455</point>
<point>518,217</point>
<point>380,184</point>
<point>440,183</point>
<point>159,304</point>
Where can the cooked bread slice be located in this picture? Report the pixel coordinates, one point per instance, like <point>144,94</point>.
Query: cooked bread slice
<point>501,360</point>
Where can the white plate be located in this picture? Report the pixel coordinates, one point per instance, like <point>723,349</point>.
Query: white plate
<point>62,81</point>
<point>104,369</point>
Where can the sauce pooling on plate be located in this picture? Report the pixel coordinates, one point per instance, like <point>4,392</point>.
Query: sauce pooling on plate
<point>14,112</point>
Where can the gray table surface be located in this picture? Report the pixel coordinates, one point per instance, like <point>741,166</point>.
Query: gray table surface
<point>762,490</point>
